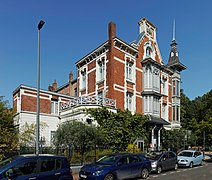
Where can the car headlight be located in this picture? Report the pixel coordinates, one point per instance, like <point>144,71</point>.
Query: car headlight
<point>154,164</point>
<point>186,160</point>
<point>97,173</point>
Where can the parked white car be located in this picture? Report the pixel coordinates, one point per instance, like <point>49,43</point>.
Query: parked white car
<point>189,158</point>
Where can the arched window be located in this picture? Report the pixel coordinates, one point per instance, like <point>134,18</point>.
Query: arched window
<point>148,52</point>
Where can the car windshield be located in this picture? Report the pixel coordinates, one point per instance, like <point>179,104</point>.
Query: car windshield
<point>155,156</point>
<point>186,153</point>
<point>108,160</point>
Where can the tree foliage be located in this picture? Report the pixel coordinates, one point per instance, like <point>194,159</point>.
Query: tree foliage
<point>77,134</point>
<point>121,128</point>
<point>196,115</point>
<point>8,132</point>
<point>27,134</point>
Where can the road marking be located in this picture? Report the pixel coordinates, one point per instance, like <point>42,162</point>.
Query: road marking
<point>164,174</point>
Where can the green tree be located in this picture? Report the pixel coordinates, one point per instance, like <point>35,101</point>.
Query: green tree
<point>121,128</point>
<point>8,131</point>
<point>174,139</point>
<point>186,110</point>
<point>27,134</point>
<point>201,122</point>
<point>79,135</point>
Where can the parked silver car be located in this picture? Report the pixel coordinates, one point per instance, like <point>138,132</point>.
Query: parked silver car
<point>189,158</point>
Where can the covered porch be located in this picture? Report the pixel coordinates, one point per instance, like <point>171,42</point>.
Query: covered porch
<point>157,124</point>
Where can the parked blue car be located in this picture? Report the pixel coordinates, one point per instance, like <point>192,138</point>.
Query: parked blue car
<point>117,166</point>
<point>189,158</point>
<point>40,167</point>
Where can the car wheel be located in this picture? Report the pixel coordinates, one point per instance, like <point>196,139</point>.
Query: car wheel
<point>176,167</point>
<point>144,173</point>
<point>191,164</point>
<point>159,169</point>
<point>109,176</point>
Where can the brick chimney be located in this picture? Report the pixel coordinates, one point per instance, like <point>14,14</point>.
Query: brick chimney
<point>54,86</point>
<point>111,31</point>
<point>50,88</point>
<point>110,65</point>
<point>70,76</point>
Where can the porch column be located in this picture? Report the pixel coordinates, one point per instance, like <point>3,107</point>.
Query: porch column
<point>159,139</point>
<point>153,137</point>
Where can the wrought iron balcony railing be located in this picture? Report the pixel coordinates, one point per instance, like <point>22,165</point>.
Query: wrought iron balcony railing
<point>89,100</point>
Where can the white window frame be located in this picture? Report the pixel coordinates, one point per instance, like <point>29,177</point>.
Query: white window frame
<point>129,71</point>
<point>156,105</point>
<point>54,107</point>
<point>176,87</point>
<point>176,113</point>
<point>156,79</point>
<point>164,86</point>
<point>129,101</point>
<point>100,73</point>
<point>164,111</point>
<point>83,79</point>
<point>148,77</point>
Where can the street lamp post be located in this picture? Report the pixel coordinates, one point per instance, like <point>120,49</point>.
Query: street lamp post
<point>40,25</point>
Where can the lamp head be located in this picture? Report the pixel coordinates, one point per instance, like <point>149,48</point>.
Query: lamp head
<point>40,25</point>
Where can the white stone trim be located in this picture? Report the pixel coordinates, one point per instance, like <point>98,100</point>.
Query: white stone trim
<point>120,60</point>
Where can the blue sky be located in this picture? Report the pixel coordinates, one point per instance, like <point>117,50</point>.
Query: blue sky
<point>74,28</point>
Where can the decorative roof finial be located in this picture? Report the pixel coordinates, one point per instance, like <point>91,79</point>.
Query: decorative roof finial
<point>174,29</point>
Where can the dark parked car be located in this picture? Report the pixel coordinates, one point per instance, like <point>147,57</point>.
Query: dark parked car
<point>39,167</point>
<point>208,157</point>
<point>117,166</point>
<point>164,161</point>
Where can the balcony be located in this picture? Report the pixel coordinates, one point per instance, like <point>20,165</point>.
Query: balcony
<point>89,100</point>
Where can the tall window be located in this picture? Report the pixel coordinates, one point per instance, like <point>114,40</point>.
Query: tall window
<point>129,70</point>
<point>156,106</point>
<point>148,52</point>
<point>83,79</point>
<point>164,86</point>
<point>54,107</point>
<point>173,113</point>
<point>156,79</point>
<point>164,111</point>
<point>176,113</point>
<point>129,101</point>
<point>176,87</point>
<point>148,77</point>
<point>101,69</point>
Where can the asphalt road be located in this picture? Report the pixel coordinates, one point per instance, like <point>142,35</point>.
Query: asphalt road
<point>195,173</point>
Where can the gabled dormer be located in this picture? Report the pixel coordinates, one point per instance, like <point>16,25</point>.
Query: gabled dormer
<point>147,28</point>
